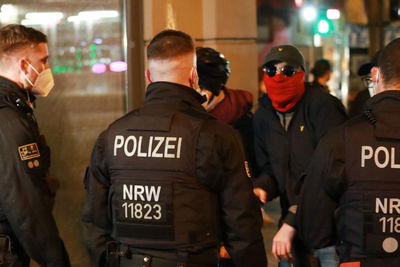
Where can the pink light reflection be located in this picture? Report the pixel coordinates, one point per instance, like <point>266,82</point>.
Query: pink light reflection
<point>99,68</point>
<point>118,66</point>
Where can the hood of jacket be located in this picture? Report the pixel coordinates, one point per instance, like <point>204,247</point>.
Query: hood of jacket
<point>235,105</point>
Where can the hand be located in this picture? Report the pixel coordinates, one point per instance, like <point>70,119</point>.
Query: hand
<point>282,242</point>
<point>261,194</point>
<point>223,253</point>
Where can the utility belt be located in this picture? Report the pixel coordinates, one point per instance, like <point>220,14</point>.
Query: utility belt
<point>119,255</point>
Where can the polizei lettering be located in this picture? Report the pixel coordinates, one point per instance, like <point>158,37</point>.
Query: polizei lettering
<point>382,157</point>
<point>168,147</point>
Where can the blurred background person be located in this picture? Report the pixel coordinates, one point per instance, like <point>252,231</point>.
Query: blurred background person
<point>322,72</point>
<point>364,72</point>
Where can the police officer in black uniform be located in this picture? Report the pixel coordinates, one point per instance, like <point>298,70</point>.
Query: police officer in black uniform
<point>354,176</point>
<point>167,183</point>
<point>27,227</point>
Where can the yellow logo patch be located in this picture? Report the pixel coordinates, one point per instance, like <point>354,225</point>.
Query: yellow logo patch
<point>29,151</point>
<point>301,128</point>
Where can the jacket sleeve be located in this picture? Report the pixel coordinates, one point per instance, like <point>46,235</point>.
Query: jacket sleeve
<point>221,167</point>
<point>23,195</point>
<point>265,180</point>
<point>96,222</point>
<point>320,194</point>
<point>326,114</point>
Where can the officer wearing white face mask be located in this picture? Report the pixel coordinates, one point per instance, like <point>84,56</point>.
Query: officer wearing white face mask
<point>43,83</point>
<point>27,227</point>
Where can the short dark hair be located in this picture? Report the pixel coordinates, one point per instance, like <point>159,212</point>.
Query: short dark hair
<point>213,69</point>
<point>14,36</point>
<point>169,44</point>
<point>321,66</point>
<point>389,62</point>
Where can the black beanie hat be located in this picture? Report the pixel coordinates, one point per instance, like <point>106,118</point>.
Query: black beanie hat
<point>213,69</point>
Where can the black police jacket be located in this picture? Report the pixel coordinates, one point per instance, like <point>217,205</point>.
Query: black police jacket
<point>25,198</point>
<point>357,165</point>
<point>282,156</point>
<point>206,190</point>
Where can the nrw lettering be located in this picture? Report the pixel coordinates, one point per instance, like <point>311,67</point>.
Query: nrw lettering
<point>141,192</point>
<point>387,205</point>
<point>153,147</point>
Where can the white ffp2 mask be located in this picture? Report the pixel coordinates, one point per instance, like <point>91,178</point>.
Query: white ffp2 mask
<point>43,84</point>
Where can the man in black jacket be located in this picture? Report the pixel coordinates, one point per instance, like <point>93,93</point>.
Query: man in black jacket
<point>353,180</point>
<point>27,227</point>
<point>167,182</point>
<point>291,119</point>
<point>231,106</point>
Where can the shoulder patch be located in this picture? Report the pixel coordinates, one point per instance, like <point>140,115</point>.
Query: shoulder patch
<point>29,151</point>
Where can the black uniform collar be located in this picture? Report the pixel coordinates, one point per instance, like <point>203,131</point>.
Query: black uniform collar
<point>167,92</point>
<point>11,93</point>
<point>382,112</point>
<point>391,98</point>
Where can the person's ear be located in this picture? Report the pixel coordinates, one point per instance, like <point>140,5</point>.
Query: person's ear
<point>194,78</point>
<point>23,65</point>
<point>148,77</point>
<point>375,74</point>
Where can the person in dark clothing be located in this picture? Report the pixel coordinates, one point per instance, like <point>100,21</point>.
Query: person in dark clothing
<point>167,182</point>
<point>232,107</point>
<point>291,119</point>
<point>27,227</point>
<point>322,74</point>
<point>353,180</point>
<point>357,106</point>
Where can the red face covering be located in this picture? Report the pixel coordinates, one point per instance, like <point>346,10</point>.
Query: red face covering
<point>283,91</point>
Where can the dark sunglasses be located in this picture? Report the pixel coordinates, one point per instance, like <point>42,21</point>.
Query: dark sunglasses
<point>287,70</point>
